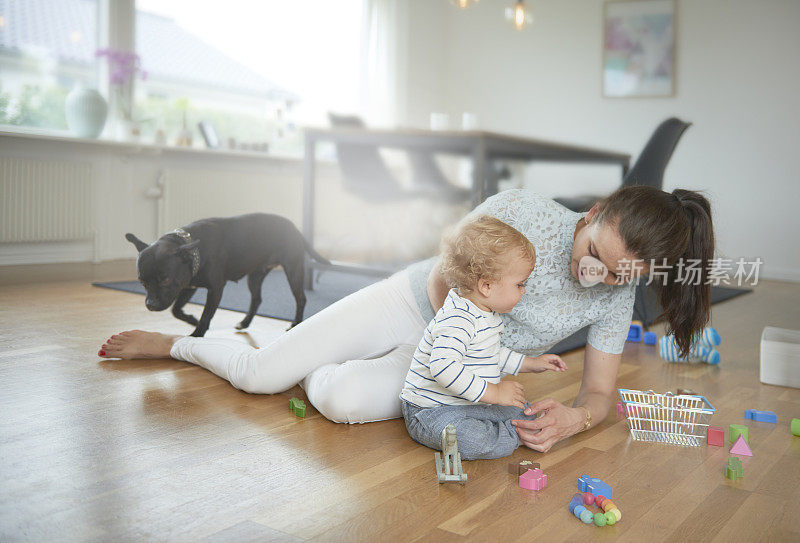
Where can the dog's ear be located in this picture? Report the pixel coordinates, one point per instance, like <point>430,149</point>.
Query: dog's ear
<point>184,250</point>
<point>140,245</point>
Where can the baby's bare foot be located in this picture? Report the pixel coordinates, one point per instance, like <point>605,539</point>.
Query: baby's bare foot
<point>137,344</point>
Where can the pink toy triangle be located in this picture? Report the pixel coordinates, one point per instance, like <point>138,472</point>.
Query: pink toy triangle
<point>740,447</point>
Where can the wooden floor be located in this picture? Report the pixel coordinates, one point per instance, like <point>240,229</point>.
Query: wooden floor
<point>162,450</point>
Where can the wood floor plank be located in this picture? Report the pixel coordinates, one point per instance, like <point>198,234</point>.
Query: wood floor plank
<point>164,450</point>
<point>714,514</point>
<point>772,519</point>
<point>249,532</point>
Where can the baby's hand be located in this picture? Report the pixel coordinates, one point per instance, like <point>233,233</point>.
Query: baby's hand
<point>509,393</point>
<point>544,362</point>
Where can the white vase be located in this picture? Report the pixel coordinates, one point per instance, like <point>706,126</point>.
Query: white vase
<point>86,111</point>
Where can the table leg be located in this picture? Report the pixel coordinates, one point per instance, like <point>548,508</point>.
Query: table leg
<point>309,162</point>
<point>478,172</point>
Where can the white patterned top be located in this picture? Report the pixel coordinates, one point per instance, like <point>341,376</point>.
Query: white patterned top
<point>555,305</point>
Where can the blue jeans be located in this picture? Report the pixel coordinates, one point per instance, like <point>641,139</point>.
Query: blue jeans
<point>482,431</point>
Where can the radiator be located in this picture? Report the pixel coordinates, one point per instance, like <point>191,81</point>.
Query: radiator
<point>45,201</point>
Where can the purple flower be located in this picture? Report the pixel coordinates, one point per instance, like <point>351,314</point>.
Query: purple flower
<point>123,65</point>
<point>117,78</point>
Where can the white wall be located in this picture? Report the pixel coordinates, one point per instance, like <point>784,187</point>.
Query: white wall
<point>738,81</point>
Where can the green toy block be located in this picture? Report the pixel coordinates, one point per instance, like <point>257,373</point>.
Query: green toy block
<point>298,407</point>
<point>736,430</point>
<point>795,426</point>
<point>733,469</point>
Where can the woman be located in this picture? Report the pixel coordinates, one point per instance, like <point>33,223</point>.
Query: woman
<point>352,358</point>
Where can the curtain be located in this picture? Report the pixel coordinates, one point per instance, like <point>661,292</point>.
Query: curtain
<point>381,37</point>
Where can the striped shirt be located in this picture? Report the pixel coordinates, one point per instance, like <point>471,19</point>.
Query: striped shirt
<point>460,353</point>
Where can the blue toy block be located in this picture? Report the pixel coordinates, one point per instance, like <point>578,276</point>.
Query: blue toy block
<point>635,333</point>
<point>650,338</point>
<point>595,486</point>
<point>761,416</point>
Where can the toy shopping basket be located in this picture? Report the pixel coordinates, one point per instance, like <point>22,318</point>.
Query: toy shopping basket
<point>667,418</point>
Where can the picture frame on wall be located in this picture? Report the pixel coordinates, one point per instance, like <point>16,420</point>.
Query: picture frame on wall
<point>638,48</point>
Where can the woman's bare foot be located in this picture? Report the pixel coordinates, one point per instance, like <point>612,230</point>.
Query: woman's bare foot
<point>137,344</point>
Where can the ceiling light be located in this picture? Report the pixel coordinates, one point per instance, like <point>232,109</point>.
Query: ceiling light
<point>519,15</point>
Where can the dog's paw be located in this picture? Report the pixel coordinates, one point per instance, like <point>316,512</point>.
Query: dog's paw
<point>242,325</point>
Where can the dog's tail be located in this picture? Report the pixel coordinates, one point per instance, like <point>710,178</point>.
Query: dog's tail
<point>314,254</point>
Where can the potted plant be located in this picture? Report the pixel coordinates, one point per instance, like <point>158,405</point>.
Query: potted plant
<point>123,67</point>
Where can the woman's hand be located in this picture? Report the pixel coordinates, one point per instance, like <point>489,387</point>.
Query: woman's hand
<point>510,393</point>
<point>543,363</point>
<point>555,422</point>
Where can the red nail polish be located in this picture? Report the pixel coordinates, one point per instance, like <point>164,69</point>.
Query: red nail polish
<point>102,353</point>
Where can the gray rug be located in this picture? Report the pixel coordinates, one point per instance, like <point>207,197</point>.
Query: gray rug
<point>331,286</point>
<point>277,300</point>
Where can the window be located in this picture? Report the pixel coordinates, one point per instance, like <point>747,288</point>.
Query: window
<point>46,47</point>
<point>253,70</point>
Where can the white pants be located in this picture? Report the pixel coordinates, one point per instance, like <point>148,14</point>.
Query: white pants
<point>352,357</point>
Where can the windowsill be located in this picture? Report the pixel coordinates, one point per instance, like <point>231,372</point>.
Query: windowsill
<point>138,147</point>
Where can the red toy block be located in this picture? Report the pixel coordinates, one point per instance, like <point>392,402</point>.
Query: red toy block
<point>715,436</point>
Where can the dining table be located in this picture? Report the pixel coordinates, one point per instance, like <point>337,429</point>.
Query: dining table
<point>483,147</point>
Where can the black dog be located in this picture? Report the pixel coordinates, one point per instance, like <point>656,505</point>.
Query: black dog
<point>208,252</point>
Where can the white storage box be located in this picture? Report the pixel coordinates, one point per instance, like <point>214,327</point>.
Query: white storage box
<point>780,357</point>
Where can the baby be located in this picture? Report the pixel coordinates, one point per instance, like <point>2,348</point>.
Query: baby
<point>455,376</point>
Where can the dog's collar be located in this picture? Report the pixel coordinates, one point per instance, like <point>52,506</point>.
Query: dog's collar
<point>195,253</point>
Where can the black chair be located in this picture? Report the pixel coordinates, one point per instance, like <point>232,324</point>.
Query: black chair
<point>649,167</point>
<point>365,173</point>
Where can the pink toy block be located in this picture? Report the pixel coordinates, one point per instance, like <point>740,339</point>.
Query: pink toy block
<point>620,409</point>
<point>715,436</point>
<point>741,448</point>
<point>533,479</point>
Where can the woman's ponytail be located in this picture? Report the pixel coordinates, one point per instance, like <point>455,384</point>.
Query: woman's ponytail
<point>676,229</point>
<point>686,298</point>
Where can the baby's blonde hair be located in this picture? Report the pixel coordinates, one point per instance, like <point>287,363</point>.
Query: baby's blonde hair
<point>481,247</point>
